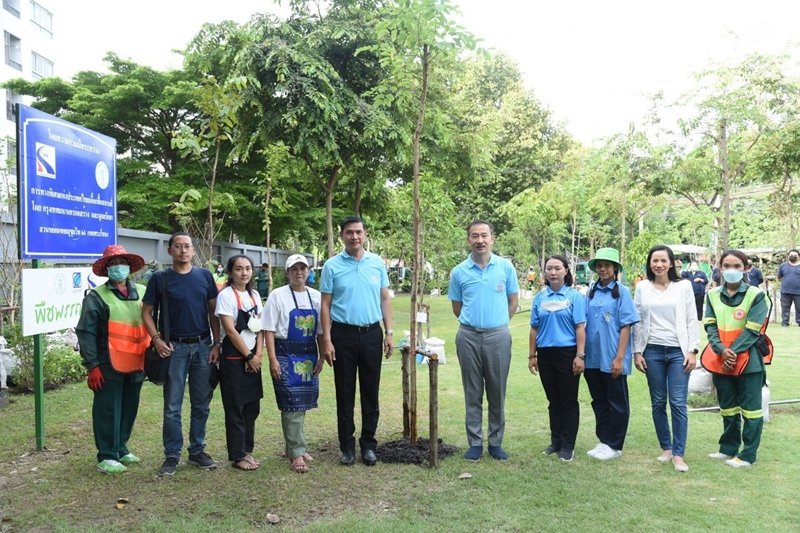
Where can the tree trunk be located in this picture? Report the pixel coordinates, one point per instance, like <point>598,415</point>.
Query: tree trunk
<point>357,199</point>
<point>623,221</point>
<point>416,289</point>
<point>267,241</point>
<point>727,179</point>
<point>329,186</point>
<point>209,233</point>
<point>574,231</point>
<point>544,250</point>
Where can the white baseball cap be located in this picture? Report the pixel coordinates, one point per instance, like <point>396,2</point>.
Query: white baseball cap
<point>294,259</point>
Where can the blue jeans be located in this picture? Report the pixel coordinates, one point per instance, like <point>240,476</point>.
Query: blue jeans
<point>667,380</point>
<point>191,360</point>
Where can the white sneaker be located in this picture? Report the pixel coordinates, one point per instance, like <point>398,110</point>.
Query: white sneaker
<point>597,448</point>
<point>719,456</point>
<point>608,453</point>
<point>738,463</point>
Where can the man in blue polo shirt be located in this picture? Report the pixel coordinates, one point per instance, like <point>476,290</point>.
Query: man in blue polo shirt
<point>355,298</point>
<point>484,295</point>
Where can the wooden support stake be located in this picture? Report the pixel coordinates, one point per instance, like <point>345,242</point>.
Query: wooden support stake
<point>433,373</point>
<point>406,357</point>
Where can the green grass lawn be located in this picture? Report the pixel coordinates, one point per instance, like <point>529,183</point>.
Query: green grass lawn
<point>59,489</point>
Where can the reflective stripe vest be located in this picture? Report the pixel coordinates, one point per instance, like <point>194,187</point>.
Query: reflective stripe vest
<point>731,321</point>
<point>127,336</point>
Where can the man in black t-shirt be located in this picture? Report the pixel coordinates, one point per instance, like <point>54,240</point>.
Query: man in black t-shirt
<point>191,301</point>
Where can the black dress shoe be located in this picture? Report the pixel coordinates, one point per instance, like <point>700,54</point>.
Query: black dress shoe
<point>348,458</point>
<point>369,458</point>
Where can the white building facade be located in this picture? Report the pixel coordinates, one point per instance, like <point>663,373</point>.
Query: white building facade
<point>30,53</point>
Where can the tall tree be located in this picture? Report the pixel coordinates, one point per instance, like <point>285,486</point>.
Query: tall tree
<point>725,118</point>
<point>305,86</point>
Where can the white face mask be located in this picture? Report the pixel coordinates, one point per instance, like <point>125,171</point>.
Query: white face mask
<point>732,276</point>
<point>254,324</point>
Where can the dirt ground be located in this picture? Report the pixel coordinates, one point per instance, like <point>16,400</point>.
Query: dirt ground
<point>404,452</point>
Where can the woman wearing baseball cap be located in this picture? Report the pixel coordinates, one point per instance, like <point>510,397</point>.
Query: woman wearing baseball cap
<point>292,329</point>
<point>113,340</point>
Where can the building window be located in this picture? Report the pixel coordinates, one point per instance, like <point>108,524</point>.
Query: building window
<point>13,51</point>
<point>42,19</point>
<point>12,6</point>
<point>41,67</point>
<point>11,154</point>
<point>11,99</point>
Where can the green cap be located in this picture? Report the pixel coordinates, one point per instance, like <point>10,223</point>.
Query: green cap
<point>606,254</point>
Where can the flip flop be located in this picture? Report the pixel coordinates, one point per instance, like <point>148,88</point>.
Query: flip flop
<point>252,459</point>
<point>299,466</point>
<point>244,464</point>
<point>306,456</point>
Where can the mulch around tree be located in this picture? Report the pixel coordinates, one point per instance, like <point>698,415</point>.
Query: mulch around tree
<point>404,452</point>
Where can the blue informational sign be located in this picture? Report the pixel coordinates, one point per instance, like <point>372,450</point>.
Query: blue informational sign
<point>67,188</point>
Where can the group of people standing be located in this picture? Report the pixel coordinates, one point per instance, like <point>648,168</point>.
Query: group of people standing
<point>212,335</point>
<point>214,330</point>
<point>603,335</point>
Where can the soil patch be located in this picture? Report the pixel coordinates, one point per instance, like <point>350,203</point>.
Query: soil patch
<point>404,452</point>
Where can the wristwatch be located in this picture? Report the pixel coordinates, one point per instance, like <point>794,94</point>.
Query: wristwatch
<point>388,332</point>
<point>695,351</point>
<point>582,355</point>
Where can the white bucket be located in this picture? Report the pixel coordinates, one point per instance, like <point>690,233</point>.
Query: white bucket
<point>436,345</point>
<point>700,381</point>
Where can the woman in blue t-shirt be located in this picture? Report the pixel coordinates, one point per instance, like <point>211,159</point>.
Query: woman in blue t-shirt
<point>556,341</point>
<point>609,317</point>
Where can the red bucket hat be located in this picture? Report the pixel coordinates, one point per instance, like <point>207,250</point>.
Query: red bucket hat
<point>114,251</point>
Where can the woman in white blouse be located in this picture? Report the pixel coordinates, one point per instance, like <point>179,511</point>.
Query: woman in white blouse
<point>665,345</point>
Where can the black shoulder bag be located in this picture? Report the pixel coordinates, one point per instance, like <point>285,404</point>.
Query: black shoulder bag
<point>156,367</point>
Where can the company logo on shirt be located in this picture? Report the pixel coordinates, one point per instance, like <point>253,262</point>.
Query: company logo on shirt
<point>739,313</point>
<point>554,306</point>
<point>45,161</point>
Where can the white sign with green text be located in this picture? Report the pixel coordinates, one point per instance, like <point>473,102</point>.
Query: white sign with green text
<point>52,297</point>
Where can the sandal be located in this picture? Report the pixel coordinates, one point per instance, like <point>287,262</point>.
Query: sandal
<point>245,464</point>
<point>299,466</point>
<point>306,456</point>
<point>252,459</point>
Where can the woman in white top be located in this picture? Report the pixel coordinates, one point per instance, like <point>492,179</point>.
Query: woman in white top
<point>292,329</point>
<point>239,311</point>
<point>665,345</point>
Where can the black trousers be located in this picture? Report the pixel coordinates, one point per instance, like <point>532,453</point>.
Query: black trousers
<point>786,307</point>
<point>240,428</point>
<point>561,388</point>
<point>699,300</point>
<point>361,354</point>
<point>610,405</point>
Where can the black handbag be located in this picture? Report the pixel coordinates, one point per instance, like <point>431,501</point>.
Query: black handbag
<point>156,368</point>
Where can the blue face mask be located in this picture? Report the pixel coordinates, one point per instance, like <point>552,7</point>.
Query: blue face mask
<point>732,276</point>
<point>118,272</point>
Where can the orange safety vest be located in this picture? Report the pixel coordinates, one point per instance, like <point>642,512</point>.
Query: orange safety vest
<point>731,321</point>
<point>127,336</point>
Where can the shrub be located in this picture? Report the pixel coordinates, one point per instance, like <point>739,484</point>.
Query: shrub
<point>61,365</point>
